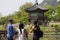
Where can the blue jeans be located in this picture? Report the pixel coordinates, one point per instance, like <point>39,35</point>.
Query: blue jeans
<point>11,38</point>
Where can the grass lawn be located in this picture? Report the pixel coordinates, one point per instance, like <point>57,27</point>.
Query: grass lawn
<point>49,37</point>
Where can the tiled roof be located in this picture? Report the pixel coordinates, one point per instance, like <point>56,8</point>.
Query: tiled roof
<point>36,7</point>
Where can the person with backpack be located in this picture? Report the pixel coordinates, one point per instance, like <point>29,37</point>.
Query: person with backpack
<point>37,33</point>
<point>23,33</point>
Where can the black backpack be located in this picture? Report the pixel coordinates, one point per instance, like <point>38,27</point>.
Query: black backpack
<point>40,34</point>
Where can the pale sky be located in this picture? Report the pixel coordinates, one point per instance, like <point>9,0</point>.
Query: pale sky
<point>9,6</point>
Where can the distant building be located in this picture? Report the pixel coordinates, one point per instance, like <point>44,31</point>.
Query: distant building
<point>36,12</point>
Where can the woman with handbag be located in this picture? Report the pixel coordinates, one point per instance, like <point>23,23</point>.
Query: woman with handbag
<point>36,31</point>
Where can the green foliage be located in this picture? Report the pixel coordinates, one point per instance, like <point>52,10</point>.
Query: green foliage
<point>2,27</point>
<point>57,14</point>
<point>21,15</point>
<point>56,26</point>
<point>53,13</point>
<point>48,14</point>
<point>58,9</point>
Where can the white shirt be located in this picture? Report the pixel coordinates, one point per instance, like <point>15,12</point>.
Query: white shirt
<point>21,36</point>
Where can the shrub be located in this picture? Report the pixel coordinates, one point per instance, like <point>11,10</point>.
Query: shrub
<point>52,25</point>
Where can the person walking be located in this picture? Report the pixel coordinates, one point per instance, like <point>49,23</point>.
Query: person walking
<point>10,30</point>
<point>23,33</point>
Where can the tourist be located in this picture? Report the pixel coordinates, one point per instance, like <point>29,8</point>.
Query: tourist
<point>36,31</point>
<point>23,33</point>
<point>10,30</point>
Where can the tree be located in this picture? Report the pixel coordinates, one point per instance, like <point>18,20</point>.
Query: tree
<point>57,13</point>
<point>21,15</point>
<point>48,14</point>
